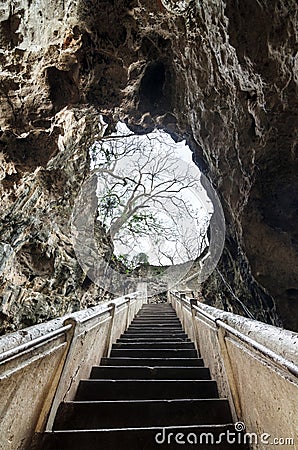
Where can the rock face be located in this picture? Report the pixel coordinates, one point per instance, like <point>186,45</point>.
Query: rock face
<point>223,75</point>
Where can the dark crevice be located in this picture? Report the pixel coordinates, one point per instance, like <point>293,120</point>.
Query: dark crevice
<point>292,294</point>
<point>63,88</point>
<point>152,94</point>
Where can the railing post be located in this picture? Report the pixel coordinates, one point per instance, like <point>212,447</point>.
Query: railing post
<point>128,311</point>
<point>142,286</point>
<point>57,398</point>
<point>169,296</point>
<point>231,382</point>
<point>182,297</point>
<point>194,302</point>
<point>110,332</point>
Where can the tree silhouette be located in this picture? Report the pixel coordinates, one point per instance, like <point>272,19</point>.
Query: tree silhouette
<point>147,195</point>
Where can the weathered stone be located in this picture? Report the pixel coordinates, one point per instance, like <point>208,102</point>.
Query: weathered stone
<point>223,75</point>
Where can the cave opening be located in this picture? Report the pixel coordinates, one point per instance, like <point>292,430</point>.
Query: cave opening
<point>150,198</point>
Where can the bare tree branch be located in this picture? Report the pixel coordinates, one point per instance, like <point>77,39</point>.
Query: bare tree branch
<point>148,195</point>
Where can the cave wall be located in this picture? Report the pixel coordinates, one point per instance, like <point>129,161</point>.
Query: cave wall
<point>223,75</point>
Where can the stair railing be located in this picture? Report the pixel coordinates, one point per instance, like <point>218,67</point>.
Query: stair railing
<point>92,340</point>
<point>255,365</point>
<point>41,366</point>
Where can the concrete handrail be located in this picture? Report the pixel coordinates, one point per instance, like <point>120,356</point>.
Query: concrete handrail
<point>254,364</point>
<point>15,342</point>
<point>41,365</point>
<point>278,359</point>
<point>220,321</point>
<point>30,345</point>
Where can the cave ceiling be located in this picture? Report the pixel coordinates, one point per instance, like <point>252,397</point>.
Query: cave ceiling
<point>220,74</point>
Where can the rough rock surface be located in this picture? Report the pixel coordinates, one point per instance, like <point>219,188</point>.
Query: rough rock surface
<point>222,74</point>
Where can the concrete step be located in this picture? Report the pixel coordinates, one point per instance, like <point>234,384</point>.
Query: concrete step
<point>145,389</point>
<point>154,333</point>
<point>145,373</point>
<point>163,316</point>
<point>152,314</point>
<point>153,339</point>
<point>154,329</point>
<point>173,318</point>
<point>157,331</point>
<point>164,330</point>
<point>155,306</point>
<point>160,313</point>
<point>155,323</point>
<point>153,345</point>
<point>155,353</point>
<point>160,335</point>
<point>141,413</point>
<point>173,438</point>
<point>152,362</point>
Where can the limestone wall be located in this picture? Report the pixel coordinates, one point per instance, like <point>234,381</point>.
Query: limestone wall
<point>222,74</point>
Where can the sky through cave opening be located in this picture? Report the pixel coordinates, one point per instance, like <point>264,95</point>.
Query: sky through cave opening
<point>150,198</point>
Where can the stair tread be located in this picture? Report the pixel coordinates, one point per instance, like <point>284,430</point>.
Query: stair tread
<point>126,413</point>
<point>159,372</point>
<point>137,438</point>
<point>136,389</point>
<point>145,401</point>
<point>153,345</point>
<point>154,334</point>
<point>154,361</point>
<point>161,353</point>
<point>177,340</point>
<point>156,326</point>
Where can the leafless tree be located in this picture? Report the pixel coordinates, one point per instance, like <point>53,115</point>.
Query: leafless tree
<point>149,195</point>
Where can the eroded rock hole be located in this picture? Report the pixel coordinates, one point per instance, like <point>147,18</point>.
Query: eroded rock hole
<point>35,261</point>
<point>152,87</point>
<point>9,36</point>
<point>63,88</point>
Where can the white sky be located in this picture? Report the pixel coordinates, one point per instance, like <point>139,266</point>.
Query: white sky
<point>195,196</point>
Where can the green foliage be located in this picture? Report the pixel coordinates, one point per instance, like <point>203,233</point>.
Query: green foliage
<point>143,223</point>
<point>132,264</point>
<point>108,204</point>
<point>125,260</point>
<point>141,258</point>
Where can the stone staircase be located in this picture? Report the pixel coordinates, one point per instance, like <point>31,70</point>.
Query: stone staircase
<point>153,391</point>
